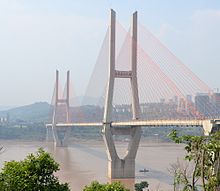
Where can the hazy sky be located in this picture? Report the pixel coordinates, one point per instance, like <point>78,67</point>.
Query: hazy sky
<point>39,36</point>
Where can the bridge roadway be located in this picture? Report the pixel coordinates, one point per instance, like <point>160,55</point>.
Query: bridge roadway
<point>207,124</point>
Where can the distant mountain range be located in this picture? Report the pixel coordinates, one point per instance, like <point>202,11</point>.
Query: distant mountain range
<point>3,108</point>
<point>37,112</point>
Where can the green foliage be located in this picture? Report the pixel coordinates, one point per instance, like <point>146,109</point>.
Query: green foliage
<point>96,186</point>
<point>140,186</point>
<point>33,173</point>
<point>204,152</point>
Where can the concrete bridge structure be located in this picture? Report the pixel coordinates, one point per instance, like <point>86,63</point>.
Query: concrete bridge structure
<point>119,167</point>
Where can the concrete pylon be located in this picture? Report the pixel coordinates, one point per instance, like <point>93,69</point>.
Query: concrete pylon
<point>60,135</point>
<point>210,126</point>
<point>121,168</point>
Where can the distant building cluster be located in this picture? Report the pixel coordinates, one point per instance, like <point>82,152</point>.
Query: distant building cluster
<point>200,106</point>
<point>4,119</point>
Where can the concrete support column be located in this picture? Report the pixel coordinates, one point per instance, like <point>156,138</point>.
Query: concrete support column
<point>68,97</point>
<point>57,142</point>
<point>207,127</point>
<point>49,134</point>
<point>134,83</point>
<point>111,72</point>
<point>210,126</point>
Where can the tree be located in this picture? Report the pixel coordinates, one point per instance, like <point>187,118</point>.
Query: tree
<point>140,186</point>
<point>96,186</point>
<point>204,153</point>
<point>34,173</point>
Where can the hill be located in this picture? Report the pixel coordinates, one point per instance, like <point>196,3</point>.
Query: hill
<point>37,112</point>
<point>3,107</point>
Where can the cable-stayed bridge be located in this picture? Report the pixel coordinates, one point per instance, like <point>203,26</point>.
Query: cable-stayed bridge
<point>136,82</point>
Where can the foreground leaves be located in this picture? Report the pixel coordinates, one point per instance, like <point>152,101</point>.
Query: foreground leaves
<point>34,173</point>
<point>204,153</point>
<point>96,186</point>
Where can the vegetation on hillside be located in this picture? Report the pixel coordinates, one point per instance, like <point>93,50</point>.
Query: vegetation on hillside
<point>28,131</point>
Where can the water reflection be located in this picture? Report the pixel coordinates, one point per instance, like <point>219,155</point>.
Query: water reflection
<point>61,154</point>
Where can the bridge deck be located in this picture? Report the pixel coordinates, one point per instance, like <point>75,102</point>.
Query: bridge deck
<point>140,123</point>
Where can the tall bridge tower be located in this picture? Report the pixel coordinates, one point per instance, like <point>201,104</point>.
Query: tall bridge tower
<point>125,167</point>
<point>61,113</point>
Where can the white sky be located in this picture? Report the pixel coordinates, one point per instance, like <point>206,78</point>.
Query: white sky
<point>39,36</point>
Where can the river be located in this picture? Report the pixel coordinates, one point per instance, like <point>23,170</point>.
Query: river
<point>85,160</point>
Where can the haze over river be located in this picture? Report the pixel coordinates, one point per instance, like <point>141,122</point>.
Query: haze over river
<point>85,161</point>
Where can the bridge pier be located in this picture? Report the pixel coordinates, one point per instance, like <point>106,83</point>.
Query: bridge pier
<point>207,127</point>
<point>210,126</point>
<point>121,168</point>
<point>61,136</point>
<point>49,134</point>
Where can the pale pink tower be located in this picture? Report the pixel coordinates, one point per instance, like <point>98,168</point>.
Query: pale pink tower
<point>57,116</point>
<point>121,168</point>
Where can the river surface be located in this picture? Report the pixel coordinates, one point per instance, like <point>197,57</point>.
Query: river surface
<point>85,161</point>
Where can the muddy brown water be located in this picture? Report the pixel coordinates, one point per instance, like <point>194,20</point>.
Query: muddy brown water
<point>85,161</point>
